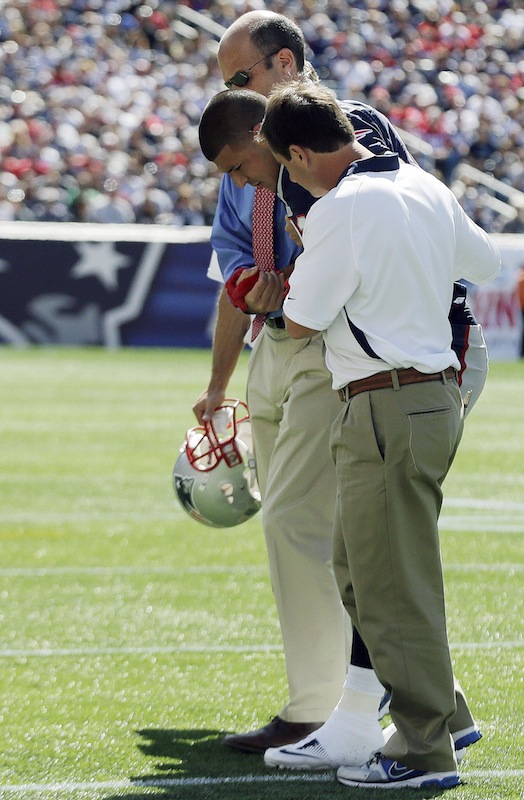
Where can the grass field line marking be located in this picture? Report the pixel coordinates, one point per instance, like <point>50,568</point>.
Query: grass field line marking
<point>494,505</point>
<point>449,502</point>
<point>173,783</point>
<point>507,645</point>
<point>44,572</point>
<point>153,650</point>
<point>485,522</point>
<point>35,572</point>
<point>484,525</point>
<point>245,648</point>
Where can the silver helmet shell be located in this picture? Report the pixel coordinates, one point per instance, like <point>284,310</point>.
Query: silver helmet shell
<point>214,475</point>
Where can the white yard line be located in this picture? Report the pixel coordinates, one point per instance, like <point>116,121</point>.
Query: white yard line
<point>153,650</point>
<point>180,783</point>
<point>219,569</point>
<point>485,523</point>
<point>495,523</point>
<point>495,505</point>
<point>37,572</point>
<point>248,648</point>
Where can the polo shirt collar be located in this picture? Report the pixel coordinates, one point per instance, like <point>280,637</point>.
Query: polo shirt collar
<point>387,162</point>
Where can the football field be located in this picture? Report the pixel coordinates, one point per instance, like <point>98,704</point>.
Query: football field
<point>132,637</point>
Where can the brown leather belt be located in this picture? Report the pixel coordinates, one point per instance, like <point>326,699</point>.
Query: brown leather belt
<point>393,380</point>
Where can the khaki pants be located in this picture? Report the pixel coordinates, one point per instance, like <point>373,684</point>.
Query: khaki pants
<point>393,449</point>
<point>292,407</point>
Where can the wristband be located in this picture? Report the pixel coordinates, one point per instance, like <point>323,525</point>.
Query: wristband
<point>237,292</point>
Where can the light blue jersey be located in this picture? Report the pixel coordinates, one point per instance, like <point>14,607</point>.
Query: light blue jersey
<point>231,236</point>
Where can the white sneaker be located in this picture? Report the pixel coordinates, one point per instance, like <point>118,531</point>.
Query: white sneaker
<point>384,773</point>
<point>346,739</point>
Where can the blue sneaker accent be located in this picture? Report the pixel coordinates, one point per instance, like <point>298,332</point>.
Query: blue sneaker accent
<point>466,737</point>
<point>383,706</point>
<point>396,771</point>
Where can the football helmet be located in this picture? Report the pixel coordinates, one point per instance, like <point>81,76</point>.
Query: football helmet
<point>214,475</point>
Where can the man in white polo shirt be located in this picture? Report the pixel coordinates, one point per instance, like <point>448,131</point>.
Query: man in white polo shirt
<point>391,240</point>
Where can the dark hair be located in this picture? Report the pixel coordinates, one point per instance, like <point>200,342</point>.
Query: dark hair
<point>270,34</point>
<point>228,119</point>
<point>306,114</point>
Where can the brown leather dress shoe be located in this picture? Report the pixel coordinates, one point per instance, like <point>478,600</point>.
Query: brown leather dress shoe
<point>274,734</point>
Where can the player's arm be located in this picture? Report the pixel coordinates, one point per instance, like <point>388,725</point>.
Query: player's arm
<point>228,342</point>
<point>231,241</point>
<point>477,257</point>
<point>317,296</point>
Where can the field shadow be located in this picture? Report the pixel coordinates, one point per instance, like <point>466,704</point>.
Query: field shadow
<point>195,765</point>
<point>190,753</point>
<point>196,761</point>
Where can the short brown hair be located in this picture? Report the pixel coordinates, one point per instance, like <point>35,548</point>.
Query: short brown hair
<point>306,114</point>
<point>228,119</point>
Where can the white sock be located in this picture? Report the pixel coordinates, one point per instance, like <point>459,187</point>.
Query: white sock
<point>348,737</point>
<point>362,691</point>
<point>352,732</point>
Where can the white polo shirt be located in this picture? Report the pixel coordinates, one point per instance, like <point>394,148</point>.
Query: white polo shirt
<point>381,252</point>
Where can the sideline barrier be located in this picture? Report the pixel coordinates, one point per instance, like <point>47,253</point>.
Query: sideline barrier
<point>112,285</point>
<point>147,286</point>
<point>496,304</point>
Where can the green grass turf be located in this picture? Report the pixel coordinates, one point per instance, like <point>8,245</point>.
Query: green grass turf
<point>132,637</point>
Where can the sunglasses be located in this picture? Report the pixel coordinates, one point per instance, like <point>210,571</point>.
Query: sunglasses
<point>241,78</point>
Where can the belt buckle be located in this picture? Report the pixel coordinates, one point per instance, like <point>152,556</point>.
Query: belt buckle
<point>343,394</point>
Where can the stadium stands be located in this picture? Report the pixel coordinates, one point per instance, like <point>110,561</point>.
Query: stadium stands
<point>100,101</point>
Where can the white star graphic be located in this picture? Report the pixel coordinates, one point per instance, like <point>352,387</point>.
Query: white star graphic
<point>101,260</point>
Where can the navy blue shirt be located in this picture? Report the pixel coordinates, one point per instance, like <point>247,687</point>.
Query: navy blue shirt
<point>372,129</point>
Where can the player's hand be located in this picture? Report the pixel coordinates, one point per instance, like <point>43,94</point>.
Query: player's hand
<point>207,404</point>
<point>238,285</point>
<point>267,294</point>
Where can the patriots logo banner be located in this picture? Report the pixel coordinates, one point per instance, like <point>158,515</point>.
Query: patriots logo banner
<point>105,293</point>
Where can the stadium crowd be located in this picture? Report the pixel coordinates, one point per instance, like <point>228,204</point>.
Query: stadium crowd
<point>100,99</point>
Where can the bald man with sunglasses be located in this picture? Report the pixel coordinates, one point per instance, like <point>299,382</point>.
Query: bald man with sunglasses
<point>241,77</point>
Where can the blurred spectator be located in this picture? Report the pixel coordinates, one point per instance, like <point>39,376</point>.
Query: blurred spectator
<point>156,207</point>
<point>516,225</point>
<point>96,91</point>
<point>109,206</point>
